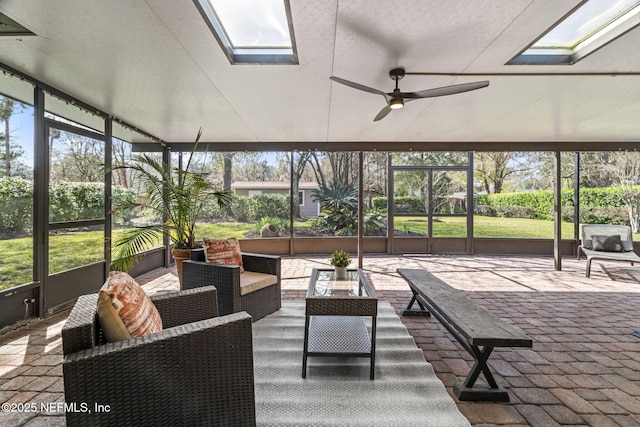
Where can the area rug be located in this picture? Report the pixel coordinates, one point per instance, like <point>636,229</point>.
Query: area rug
<point>337,390</point>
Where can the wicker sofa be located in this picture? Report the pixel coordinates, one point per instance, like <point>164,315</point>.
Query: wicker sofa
<point>198,371</point>
<point>227,280</point>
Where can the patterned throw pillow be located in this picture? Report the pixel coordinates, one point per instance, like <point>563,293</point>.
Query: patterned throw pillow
<point>226,251</point>
<point>125,310</point>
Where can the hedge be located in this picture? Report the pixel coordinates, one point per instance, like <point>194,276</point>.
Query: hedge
<point>16,204</point>
<point>598,205</point>
<point>251,208</point>
<point>404,204</point>
<point>68,201</point>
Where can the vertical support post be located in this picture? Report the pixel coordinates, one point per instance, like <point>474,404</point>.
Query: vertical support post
<point>108,195</point>
<point>471,203</point>
<point>360,207</point>
<point>430,211</point>
<point>576,200</point>
<point>390,225</point>
<point>40,212</point>
<point>291,202</point>
<point>557,210</point>
<point>166,241</point>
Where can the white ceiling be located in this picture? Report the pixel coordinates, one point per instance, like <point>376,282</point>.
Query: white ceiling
<point>156,65</point>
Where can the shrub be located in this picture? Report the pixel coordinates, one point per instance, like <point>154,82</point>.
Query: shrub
<point>212,211</point>
<point>68,201</point>
<point>269,205</point>
<point>542,201</point>
<point>379,203</point>
<point>403,204</point>
<point>61,202</point>
<point>319,222</point>
<point>486,210</point>
<point>239,208</point>
<point>121,196</point>
<point>598,215</point>
<point>16,205</point>
<point>374,220</point>
<point>514,211</point>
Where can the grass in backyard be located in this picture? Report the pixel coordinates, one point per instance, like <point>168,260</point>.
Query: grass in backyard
<point>75,249</point>
<point>223,230</point>
<point>484,226</point>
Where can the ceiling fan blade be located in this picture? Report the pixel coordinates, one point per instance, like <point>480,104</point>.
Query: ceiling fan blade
<point>445,90</point>
<point>383,113</point>
<point>358,86</point>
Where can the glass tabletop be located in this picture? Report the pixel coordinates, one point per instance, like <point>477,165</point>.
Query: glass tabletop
<point>328,285</point>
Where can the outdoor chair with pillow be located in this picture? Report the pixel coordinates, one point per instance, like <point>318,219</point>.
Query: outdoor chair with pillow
<point>245,281</point>
<point>198,370</point>
<point>606,242</point>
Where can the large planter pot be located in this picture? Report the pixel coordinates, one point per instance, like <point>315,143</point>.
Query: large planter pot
<point>180,255</point>
<point>269,230</point>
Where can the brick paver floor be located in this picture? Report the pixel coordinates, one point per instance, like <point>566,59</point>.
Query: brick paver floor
<point>583,369</point>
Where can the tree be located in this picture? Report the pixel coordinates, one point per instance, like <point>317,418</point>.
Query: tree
<point>121,151</point>
<point>375,175</point>
<point>625,167</point>
<point>493,168</point>
<point>298,171</point>
<point>76,158</point>
<point>7,108</point>
<point>332,168</point>
<point>227,169</point>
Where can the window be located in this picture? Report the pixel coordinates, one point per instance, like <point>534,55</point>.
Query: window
<point>251,32</point>
<point>9,27</point>
<point>589,27</point>
<point>301,197</point>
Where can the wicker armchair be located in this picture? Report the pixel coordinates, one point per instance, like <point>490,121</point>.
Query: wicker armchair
<point>198,371</point>
<point>226,279</point>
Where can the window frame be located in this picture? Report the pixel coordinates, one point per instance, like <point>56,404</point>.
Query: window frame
<point>267,55</point>
<point>589,42</point>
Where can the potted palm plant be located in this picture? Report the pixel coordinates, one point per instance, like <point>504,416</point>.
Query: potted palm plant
<point>174,194</point>
<point>341,260</point>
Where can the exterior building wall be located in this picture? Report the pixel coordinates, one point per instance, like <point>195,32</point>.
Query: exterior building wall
<point>308,208</point>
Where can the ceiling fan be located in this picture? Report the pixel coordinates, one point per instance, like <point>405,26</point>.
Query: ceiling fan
<point>396,99</point>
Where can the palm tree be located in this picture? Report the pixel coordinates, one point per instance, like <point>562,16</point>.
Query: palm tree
<point>174,194</point>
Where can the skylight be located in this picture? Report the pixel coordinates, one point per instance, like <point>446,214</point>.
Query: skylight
<point>9,27</point>
<point>251,31</point>
<point>591,26</point>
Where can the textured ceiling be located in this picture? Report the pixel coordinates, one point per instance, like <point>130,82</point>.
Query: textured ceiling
<point>156,65</point>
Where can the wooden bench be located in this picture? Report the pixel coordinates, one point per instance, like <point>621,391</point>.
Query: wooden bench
<point>588,233</point>
<point>475,328</point>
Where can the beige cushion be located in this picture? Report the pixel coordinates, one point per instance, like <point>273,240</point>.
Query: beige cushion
<point>125,310</point>
<point>226,252</point>
<point>251,281</point>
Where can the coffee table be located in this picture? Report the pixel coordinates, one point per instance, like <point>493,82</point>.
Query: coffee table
<point>335,317</point>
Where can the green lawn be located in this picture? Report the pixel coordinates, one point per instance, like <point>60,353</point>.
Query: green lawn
<point>76,249</point>
<point>223,230</point>
<point>484,226</point>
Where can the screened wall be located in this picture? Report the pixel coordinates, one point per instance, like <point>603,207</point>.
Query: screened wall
<point>57,221</point>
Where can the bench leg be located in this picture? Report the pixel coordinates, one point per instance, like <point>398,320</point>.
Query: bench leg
<point>410,312</point>
<point>588,272</point>
<point>467,391</point>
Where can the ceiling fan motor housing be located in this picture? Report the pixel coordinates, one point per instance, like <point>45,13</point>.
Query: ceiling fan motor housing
<point>396,73</point>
